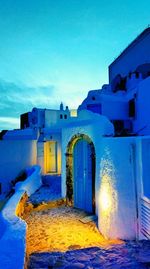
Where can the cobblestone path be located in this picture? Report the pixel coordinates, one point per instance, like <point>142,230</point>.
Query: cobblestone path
<point>56,238</point>
<point>61,229</point>
<point>131,255</point>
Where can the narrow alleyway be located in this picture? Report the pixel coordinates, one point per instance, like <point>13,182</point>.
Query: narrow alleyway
<point>58,228</point>
<point>57,238</point>
<point>61,229</point>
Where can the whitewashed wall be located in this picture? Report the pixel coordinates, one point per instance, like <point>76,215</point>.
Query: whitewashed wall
<point>14,157</point>
<point>118,182</point>
<point>143,186</point>
<point>141,122</point>
<point>113,106</point>
<point>117,206</point>
<point>124,171</point>
<point>95,127</point>
<point>13,240</point>
<point>52,117</point>
<point>32,183</point>
<point>49,135</point>
<point>13,228</point>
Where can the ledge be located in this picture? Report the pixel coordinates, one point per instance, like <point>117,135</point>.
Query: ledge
<point>13,228</point>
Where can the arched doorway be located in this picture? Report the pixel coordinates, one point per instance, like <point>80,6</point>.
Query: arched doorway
<point>80,173</point>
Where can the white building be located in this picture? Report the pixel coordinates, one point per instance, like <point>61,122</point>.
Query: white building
<point>125,101</point>
<point>102,154</point>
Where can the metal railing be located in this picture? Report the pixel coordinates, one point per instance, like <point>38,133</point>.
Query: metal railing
<point>145,217</point>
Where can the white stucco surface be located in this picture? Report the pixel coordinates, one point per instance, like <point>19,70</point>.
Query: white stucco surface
<point>114,106</point>
<point>32,183</point>
<point>141,122</point>
<point>12,242</point>
<point>15,156</point>
<point>118,180</point>
<point>88,123</point>
<point>13,229</point>
<point>21,134</point>
<point>117,207</point>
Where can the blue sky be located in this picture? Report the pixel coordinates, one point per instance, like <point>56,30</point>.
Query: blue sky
<point>57,50</point>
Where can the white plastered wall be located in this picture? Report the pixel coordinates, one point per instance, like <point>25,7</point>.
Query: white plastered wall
<point>96,127</point>
<point>15,156</point>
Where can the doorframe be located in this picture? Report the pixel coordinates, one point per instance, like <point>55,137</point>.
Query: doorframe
<point>69,168</point>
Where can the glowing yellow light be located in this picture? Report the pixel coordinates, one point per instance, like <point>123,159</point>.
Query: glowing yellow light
<point>105,198</point>
<point>73,113</point>
<point>108,200</point>
<point>52,157</point>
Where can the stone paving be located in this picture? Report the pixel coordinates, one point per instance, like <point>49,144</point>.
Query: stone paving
<point>61,229</point>
<point>57,238</point>
<point>126,256</point>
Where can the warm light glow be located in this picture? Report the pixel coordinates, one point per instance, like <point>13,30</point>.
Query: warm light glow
<point>62,229</point>
<point>105,197</point>
<point>73,113</point>
<point>108,200</point>
<point>52,157</point>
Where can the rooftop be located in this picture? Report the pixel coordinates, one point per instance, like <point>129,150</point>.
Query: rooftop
<point>138,39</point>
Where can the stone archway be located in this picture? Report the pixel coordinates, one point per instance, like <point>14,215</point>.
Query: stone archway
<point>70,176</point>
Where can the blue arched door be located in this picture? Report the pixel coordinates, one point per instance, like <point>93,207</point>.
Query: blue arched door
<point>82,176</point>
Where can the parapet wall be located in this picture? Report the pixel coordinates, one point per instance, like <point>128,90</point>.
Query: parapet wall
<point>15,156</point>
<point>13,241</point>
<point>33,181</point>
<point>13,236</point>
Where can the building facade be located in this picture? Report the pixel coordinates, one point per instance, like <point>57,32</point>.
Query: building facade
<point>101,154</point>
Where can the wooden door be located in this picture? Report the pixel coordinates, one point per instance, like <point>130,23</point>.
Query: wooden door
<point>82,176</point>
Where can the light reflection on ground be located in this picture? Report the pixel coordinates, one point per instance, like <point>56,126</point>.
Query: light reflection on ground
<point>61,229</point>
<point>56,238</point>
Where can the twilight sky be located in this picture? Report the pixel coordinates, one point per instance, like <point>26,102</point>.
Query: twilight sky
<point>57,50</point>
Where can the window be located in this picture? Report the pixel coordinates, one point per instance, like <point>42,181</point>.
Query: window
<point>61,116</point>
<point>0,188</point>
<point>65,116</point>
<point>118,125</point>
<point>137,74</point>
<point>148,73</point>
<point>132,108</point>
<point>24,120</point>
